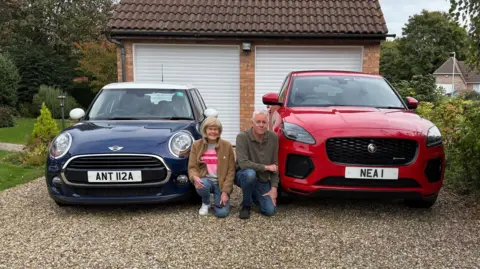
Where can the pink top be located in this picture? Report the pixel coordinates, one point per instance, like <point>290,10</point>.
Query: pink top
<point>210,159</point>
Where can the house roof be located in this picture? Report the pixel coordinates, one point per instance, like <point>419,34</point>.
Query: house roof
<point>249,17</point>
<point>461,68</point>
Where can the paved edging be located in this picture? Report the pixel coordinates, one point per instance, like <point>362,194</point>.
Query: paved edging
<point>11,147</point>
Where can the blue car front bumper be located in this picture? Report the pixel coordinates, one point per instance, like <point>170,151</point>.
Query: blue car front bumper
<point>70,181</point>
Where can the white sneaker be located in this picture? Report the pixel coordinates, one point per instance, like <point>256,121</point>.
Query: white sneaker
<point>203,210</point>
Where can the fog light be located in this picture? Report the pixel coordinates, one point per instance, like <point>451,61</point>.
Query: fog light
<point>182,179</point>
<point>56,181</point>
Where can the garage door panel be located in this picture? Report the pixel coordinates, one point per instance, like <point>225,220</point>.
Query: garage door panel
<point>214,70</point>
<point>273,63</point>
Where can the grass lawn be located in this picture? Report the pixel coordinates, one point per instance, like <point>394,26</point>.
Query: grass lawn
<point>12,175</point>
<point>22,128</point>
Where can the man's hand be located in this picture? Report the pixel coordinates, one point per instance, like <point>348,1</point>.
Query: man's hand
<point>224,199</point>
<point>272,168</point>
<point>198,182</point>
<point>273,194</point>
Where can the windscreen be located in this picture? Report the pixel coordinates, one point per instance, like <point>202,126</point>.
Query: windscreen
<point>342,90</point>
<point>141,104</point>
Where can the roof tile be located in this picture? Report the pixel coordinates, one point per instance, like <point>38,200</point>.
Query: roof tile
<point>250,16</point>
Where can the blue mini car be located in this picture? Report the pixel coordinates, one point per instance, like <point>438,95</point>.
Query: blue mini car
<point>130,146</point>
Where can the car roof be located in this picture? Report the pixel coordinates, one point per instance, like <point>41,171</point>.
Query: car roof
<point>332,73</point>
<point>147,85</point>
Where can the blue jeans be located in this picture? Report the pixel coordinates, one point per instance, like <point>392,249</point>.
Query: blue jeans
<point>210,186</point>
<point>253,191</point>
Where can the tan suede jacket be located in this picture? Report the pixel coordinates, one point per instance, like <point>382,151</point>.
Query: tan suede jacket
<point>225,165</point>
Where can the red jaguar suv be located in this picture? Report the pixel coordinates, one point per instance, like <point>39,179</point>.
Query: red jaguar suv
<point>350,133</point>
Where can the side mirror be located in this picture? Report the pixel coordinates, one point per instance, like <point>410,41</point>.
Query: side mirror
<point>210,112</point>
<point>271,99</point>
<point>77,113</point>
<point>412,103</point>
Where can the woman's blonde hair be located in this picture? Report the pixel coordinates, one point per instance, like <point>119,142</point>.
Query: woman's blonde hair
<point>211,122</point>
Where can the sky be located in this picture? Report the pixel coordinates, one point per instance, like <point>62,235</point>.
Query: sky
<point>397,12</point>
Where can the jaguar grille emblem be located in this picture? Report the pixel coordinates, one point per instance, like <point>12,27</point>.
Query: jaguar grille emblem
<point>115,148</point>
<point>372,148</point>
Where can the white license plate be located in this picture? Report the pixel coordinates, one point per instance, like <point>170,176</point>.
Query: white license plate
<point>114,176</point>
<point>371,172</point>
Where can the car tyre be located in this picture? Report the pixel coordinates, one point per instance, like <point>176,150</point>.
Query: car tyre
<point>283,198</point>
<point>60,204</point>
<point>422,203</point>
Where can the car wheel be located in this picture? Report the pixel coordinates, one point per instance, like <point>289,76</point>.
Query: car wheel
<point>195,198</point>
<point>422,203</point>
<point>60,204</point>
<point>283,198</point>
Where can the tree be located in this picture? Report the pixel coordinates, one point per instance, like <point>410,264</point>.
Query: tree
<point>390,60</point>
<point>98,60</point>
<point>428,38</point>
<point>469,10</point>
<point>57,23</point>
<point>8,82</point>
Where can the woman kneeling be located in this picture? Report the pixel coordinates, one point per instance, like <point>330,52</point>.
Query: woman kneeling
<point>211,168</point>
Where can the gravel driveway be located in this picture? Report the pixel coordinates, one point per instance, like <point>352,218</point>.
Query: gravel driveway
<point>35,233</point>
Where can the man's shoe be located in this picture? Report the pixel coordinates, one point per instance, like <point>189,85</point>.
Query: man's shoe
<point>245,212</point>
<point>203,210</point>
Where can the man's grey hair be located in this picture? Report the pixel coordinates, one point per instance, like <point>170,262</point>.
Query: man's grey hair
<point>260,111</point>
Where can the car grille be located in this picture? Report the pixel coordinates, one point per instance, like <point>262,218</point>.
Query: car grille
<point>389,151</point>
<point>118,192</point>
<point>115,162</point>
<point>153,170</point>
<point>372,183</point>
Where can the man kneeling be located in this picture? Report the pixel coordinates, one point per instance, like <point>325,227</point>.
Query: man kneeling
<point>257,164</point>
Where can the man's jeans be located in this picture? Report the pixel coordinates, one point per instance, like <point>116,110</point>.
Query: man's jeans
<point>210,186</point>
<point>253,191</point>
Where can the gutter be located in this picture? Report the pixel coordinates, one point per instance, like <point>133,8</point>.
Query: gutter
<point>260,35</point>
<point>122,52</point>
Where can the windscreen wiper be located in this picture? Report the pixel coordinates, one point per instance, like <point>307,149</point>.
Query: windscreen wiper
<point>176,118</point>
<point>122,118</point>
<point>390,107</point>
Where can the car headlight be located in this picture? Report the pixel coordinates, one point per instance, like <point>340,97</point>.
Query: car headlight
<point>434,137</point>
<point>60,145</point>
<point>180,143</point>
<point>297,133</point>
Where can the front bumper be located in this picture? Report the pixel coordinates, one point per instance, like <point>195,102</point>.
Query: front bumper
<point>67,181</point>
<point>317,175</point>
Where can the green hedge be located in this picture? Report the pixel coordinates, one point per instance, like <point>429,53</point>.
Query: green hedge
<point>459,121</point>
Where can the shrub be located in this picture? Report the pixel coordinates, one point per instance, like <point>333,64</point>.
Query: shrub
<point>49,96</point>
<point>45,128</point>
<point>9,82</point>
<point>459,122</point>
<point>6,117</point>
<point>422,88</point>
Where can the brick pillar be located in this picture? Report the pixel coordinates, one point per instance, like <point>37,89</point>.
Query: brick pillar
<point>247,88</point>
<point>128,62</point>
<point>371,59</point>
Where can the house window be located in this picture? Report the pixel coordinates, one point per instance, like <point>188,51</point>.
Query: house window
<point>446,87</point>
<point>476,87</point>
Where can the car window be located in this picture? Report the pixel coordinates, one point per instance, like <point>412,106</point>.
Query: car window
<point>283,90</point>
<point>141,104</point>
<point>200,98</point>
<point>197,104</point>
<point>342,91</point>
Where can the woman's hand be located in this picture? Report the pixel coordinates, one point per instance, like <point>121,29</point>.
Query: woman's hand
<point>224,199</point>
<point>197,182</point>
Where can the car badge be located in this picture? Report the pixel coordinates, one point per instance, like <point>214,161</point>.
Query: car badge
<point>115,148</point>
<point>372,148</point>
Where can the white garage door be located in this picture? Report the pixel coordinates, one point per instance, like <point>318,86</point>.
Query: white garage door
<point>273,63</point>
<point>214,70</point>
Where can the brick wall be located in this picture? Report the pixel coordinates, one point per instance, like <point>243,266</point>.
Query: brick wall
<point>447,79</point>
<point>371,62</point>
